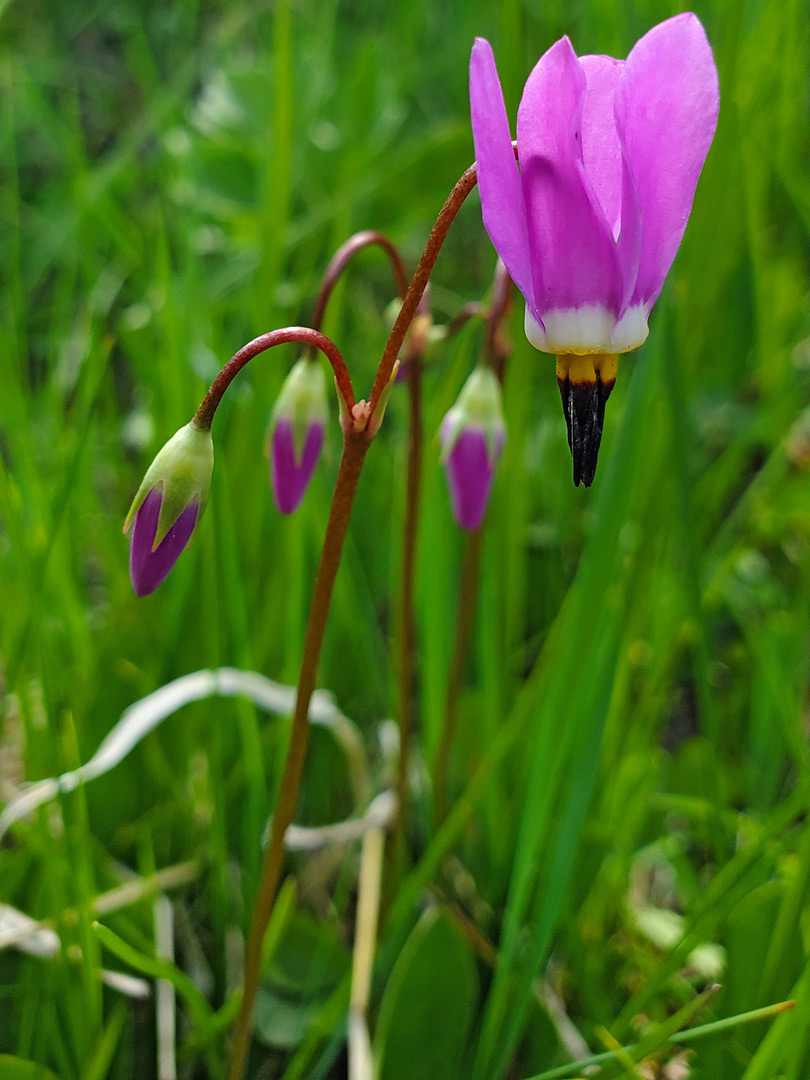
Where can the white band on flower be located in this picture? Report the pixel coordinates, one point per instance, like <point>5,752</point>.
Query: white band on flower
<point>587,329</point>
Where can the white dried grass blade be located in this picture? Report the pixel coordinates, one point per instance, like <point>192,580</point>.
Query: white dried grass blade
<point>145,715</point>
<point>26,934</point>
<point>128,985</point>
<point>314,837</point>
<point>19,929</point>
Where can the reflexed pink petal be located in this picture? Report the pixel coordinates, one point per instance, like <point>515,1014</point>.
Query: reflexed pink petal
<point>498,178</point>
<point>574,256</point>
<point>666,113</point>
<point>632,229</point>
<point>607,167</point>
<point>148,568</point>
<point>601,150</point>
<point>469,476</point>
<point>291,476</point>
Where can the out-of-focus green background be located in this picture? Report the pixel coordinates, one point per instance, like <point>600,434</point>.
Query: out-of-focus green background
<point>175,177</point>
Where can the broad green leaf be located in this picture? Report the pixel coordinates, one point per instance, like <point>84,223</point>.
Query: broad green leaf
<point>428,1004</point>
<point>12,1068</point>
<point>280,1020</point>
<point>309,958</point>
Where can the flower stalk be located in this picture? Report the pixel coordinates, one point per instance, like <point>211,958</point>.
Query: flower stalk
<point>355,446</point>
<point>497,348</point>
<point>360,421</point>
<point>342,257</point>
<point>465,611</point>
<point>438,234</point>
<point>303,335</point>
<point>407,620</point>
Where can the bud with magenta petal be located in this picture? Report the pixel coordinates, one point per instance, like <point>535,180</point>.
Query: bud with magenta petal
<point>296,433</point>
<point>472,435</point>
<point>169,505</point>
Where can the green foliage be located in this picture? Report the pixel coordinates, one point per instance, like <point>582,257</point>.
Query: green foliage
<point>428,1004</point>
<point>632,730</point>
<point>14,1069</point>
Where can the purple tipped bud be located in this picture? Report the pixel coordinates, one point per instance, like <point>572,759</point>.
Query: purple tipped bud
<point>149,567</point>
<point>296,433</point>
<point>292,472</point>
<point>472,435</point>
<point>169,505</point>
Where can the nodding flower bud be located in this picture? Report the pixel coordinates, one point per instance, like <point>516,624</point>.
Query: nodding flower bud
<point>169,505</point>
<point>296,432</point>
<point>472,437</point>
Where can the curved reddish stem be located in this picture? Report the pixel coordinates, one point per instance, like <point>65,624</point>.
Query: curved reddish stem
<point>303,335</point>
<point>344,254</point>
<point>437,236</point>
<point>497,346</point>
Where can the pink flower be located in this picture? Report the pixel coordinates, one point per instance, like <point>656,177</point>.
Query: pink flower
<point>610,153</point>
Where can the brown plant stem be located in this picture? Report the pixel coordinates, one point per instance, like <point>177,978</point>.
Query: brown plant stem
<point>407,627</point>
<point>304,335</point>
<point>438,233</point>
<point>497,346</point>
<point>341,259</point>
<point>496,352</point>
<point>468,591</point>
<point>355,446</point>
<point>469,311</point>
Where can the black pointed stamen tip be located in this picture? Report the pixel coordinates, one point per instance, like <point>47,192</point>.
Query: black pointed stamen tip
<point>584,408</point>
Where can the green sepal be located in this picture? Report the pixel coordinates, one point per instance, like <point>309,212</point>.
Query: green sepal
<point>182,471</point>
<point>302,400</point>
<point>478,406</point>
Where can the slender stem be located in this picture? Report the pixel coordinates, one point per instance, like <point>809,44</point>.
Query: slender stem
<point>497,346</point>
<point>419,282</point>
<point>343,256</point>
<point>496,352</point>
<point>355,445</point>
<point>407,631</point>
<point>302,334</point>
<point>469,311</point>
<point>468,591</point>
<point>686,1036</point>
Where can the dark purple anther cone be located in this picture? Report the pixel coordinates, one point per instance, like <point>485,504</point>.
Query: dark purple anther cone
<point>148,568</point>
<point>291,474</point>
<point>470,472</point>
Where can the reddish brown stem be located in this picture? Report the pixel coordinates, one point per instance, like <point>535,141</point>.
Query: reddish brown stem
<point>496,353</point>
<point>469,311</point>
<point>344,254</point>
<point>355,446</point>
<point>467,593</point>
<point>497,346</point>
<point>420,279</point>
<point>303,335</point>
<point>407,636</point>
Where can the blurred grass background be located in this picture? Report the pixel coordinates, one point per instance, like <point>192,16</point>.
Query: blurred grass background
<point>632,752</point>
